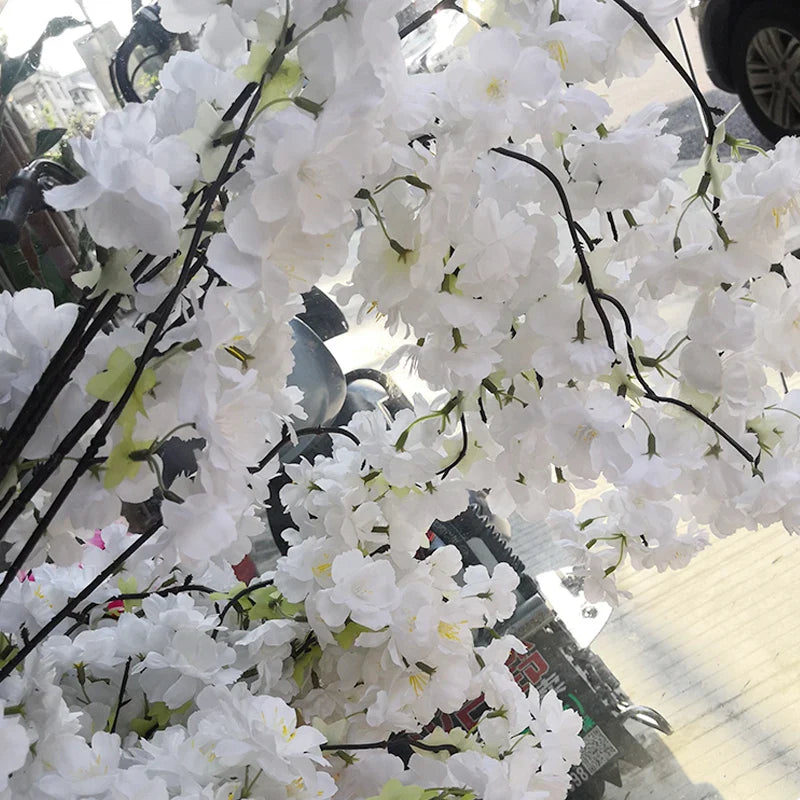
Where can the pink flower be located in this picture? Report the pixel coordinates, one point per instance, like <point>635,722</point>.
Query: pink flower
<point>97,540</point>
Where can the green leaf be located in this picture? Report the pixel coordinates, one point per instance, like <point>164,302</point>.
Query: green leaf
<point>285,79</point>
<point>265,603</point>
<point>157,717</point>
<point>47,139</point>
<point>346,638</point>
<point>111,277</point>
<point>17,69</point>
<point>709,172</point>
<point>237,587</point>
<point>256,63</point>
<point>7,650</point>
<point>120,466</point>
<point>302,664</point>
<point>142,726</point>
<point>114,278</point>
<point>87,277</point>
<point>394,790</point>
<point>128,586</point>
<point>401,441</point>
<point>110,385</point>
<point>268,603</point>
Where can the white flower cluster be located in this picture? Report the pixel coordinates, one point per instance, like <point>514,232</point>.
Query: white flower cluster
<point>182,692</point>
<point>586,320</point>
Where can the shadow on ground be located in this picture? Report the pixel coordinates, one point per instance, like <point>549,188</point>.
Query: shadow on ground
<point>662,779</point>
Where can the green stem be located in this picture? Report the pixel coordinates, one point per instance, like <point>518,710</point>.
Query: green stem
<point>676,238</point>
<point>267,105</point>
<point>401,439</point>
<point>378,216</point>
<point>785,411</point>
<point>185,347</point>
<point>389,183</point>
<point>643,420</point>
<point>166,436</point>
<point>664,356</point>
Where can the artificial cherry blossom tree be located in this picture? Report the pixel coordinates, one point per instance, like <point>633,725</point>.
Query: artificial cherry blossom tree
<point>584,315</point>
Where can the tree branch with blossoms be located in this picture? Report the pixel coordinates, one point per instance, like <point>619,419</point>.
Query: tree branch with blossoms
<point>598,297</point>
<point>213,206</point>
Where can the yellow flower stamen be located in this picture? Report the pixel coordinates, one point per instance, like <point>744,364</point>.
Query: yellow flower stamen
<point>558,52</point>
<point>418,681</point>
<point>496,89</point>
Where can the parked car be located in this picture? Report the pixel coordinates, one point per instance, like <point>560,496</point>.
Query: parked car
<point>752,48</point>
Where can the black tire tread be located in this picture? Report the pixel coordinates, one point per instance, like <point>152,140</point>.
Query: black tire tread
<point>759,15</point>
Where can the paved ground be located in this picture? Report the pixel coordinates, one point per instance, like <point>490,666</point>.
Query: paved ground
<point>713,647</point>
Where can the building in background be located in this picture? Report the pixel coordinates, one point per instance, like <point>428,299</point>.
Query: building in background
<point>50,100</point>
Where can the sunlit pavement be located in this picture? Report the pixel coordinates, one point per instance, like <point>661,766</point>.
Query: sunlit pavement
<point>714,648</point>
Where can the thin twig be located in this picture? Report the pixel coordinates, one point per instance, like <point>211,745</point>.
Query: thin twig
<point>599,297</point>
<point>238,103</point>
<point>44,392</point>
<point>464,445</point>
<point>610,217</point>
<point>315,431</point>
<point>98,440</point>
<point>82,616</point>
<point>42,472</point>
<point>650,394</point>
<point>690,68</point>
<point>235,599</point>
<point>586,273</point>
<point>585,236</point>
<point>58,373</point>
<point>431,748</point>
<point>449,5</point>
<point>74,602</point>
<point>122,686</point>
<point>642,22</point>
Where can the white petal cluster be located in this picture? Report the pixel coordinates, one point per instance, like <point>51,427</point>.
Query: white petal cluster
<point>582,319</point>
<point>129,195</point>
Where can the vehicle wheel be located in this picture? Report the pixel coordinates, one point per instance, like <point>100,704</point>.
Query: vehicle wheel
<point>766,66</point>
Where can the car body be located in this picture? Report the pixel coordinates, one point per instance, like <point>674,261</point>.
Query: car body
<point>752,48</point>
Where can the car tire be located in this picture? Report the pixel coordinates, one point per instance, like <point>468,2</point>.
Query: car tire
<point>765,64</point>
